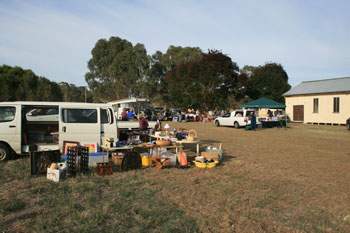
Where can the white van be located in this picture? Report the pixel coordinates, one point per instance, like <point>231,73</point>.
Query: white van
<point>27,126</point>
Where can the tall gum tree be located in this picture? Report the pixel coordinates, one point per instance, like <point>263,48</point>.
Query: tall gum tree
<point>116,69</point>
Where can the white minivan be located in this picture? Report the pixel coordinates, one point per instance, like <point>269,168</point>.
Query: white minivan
<point>27,126</point>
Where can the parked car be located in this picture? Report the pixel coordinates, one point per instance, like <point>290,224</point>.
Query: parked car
<point>348,124</point>
<point>237,118</point>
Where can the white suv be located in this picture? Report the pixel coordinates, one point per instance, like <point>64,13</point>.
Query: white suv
<point>237,118</point>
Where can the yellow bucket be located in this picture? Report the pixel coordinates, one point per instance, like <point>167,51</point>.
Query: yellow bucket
<point>146,160</point>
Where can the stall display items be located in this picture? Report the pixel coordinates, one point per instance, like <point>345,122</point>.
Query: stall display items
<point>206,164</point>
<point>191,135</point>
<point>77,159</point>
<point>67,144</point>
<point>218,150</point>
<point>56,172</point>
<point>41,160</point>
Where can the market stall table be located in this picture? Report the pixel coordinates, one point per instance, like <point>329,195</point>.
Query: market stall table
<point>190,142</point>
<point>274,123</point>
<point>131,160</point>
<point>162,161</point>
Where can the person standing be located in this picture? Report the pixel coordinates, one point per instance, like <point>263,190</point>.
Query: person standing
<point>179,116</point>
<point>253,120</point>
<point>124,115</point>
<point>131,115</point>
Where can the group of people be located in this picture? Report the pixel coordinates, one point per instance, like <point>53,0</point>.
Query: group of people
<point>143,122</point>
<point>271,114</point>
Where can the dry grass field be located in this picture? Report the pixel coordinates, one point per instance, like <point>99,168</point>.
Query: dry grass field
<point>271,180</point>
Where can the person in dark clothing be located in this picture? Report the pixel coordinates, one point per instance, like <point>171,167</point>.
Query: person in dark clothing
<point>253,120</point>
<point>269,113</point>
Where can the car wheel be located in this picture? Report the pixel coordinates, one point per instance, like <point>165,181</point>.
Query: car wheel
<point>5,152</point>
<point>236,125</point>
<point>217,123</point>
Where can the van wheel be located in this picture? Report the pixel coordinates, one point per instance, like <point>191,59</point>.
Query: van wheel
<point>5,152</point>
<point>217,123</point>
<point>236,125</point>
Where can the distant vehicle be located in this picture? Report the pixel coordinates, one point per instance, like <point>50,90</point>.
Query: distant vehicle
<point>238,118</point>
<point>138,105</point>
<point>348,124</point>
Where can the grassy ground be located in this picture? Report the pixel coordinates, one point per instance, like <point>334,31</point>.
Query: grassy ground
<point>271,180</point>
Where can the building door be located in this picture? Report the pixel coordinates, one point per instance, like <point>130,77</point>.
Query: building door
<point>298,112</point>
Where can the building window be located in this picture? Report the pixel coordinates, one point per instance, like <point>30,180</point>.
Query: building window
<point>315,105</point>
<point>336,104</point>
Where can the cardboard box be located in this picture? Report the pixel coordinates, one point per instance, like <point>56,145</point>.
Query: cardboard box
<point>211,155</point>
<point>117,159</point>
<point>54,175</point>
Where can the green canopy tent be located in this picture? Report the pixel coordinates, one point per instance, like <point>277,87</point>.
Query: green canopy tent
<point>264,103</point>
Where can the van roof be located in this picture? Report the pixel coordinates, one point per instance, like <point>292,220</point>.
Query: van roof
<point>44,103</point>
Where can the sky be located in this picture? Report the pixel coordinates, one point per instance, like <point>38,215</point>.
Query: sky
<point>54,38</point>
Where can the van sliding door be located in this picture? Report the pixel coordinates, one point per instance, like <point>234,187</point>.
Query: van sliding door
<point>108,124</point>
<point>80,125</point>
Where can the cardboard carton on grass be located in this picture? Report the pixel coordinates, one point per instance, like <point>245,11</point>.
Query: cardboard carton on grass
<point>211,155</point>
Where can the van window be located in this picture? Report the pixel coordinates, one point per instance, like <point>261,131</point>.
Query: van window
<point>41,113</point>
<point>104,116</point>
<point>7,114</point>
<point>79,115</point>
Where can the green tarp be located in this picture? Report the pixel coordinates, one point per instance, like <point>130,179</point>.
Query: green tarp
<point>263,103</point>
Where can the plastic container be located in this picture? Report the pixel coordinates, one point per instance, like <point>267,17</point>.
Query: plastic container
<point>97,158</point>
<point>146,159</point>
<point>206,165</point>
<point>212,164</point>
<point>172,157</point>
<point>200,165</point>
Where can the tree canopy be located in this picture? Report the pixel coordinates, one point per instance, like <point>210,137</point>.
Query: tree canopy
<point>116,69</point>
<point>182,77</point>
<point>204,82</point>
<point>155,87</point>
<point>73,93</point>
<point>19,84</point>
<point>269,80</point>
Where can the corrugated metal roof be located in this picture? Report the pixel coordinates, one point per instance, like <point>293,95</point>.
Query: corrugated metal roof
<point>321,86</point>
